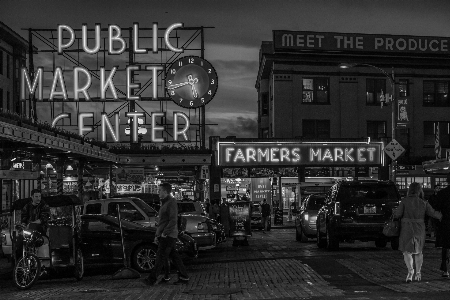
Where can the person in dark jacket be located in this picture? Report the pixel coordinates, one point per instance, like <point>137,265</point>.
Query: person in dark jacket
<point>265,214</point>
<point>442,204</point>
<point>34,215</point>
<point>166,237</point>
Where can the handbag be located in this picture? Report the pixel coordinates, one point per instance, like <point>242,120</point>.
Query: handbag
<point>391,228</point>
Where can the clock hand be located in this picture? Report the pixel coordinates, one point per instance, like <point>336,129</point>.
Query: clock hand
<point>194,91</point>
<point>177,85</point>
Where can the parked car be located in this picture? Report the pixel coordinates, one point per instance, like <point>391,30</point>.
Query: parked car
<point>101,243</point>
<point>256,217</point>
<point>131,209</point>
<point>6,243</point>
<point>356,210</point>
<point>195,213</point>
<point>206,232</point>
<point>305,220</point>
<point>150,199</point>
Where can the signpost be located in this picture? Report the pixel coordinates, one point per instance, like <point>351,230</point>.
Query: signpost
<point>394,149</point>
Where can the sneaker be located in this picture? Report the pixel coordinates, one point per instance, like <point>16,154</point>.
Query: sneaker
<point>445,274</point>
<point>166,278</point>
<point>182,280</point>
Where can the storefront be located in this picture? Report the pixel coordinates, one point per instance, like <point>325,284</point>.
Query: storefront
<point>284,170</point>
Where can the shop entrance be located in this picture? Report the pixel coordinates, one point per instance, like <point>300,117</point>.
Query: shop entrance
<point>285,172</point>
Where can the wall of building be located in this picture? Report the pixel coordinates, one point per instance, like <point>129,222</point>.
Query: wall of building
<point>347,111</point>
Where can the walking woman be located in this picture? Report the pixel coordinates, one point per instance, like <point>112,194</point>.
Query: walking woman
<point>412,210</point>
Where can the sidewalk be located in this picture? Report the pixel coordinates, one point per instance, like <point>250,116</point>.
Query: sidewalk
<point>286,224</point>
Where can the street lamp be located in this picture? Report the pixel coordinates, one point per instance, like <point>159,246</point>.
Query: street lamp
<point>392,81</point>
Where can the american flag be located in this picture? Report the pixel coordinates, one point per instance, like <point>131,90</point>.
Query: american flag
<point>437,144</point>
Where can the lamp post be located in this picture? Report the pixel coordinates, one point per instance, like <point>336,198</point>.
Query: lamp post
<point>392,81</point>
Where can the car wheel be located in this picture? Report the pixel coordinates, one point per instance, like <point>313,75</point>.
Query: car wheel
<point>321,243</point>
<point>298,237</point>
<point>380,243</point>
<point>144,258</point>
<point>332,241</point>
<point>395,243</point>
<point>303,237</point>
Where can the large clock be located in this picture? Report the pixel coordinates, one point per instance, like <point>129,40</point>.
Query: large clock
<point>191,81</point>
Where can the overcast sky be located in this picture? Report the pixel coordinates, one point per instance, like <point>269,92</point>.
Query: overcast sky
<point>240,27</point>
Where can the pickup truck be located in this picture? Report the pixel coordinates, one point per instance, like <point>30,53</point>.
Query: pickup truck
<point>131,209</point>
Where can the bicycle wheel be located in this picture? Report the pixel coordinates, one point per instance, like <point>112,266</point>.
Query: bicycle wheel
<point>27,271</point>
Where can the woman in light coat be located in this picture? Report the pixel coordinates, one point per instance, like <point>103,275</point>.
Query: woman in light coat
<point>412,210</point>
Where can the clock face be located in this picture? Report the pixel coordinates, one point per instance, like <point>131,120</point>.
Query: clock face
<point>191,82</point>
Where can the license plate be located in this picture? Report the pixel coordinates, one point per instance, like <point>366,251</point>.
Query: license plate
<point>370,209</point>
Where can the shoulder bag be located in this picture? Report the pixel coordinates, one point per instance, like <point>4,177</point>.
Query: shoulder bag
<point>391,228</point>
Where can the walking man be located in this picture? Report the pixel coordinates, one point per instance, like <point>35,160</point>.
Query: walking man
<point>265,214</point>
<point>166,237</point>
<point>443,237</point>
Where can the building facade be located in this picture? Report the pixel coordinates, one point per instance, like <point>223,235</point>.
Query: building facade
<point>330,85</point>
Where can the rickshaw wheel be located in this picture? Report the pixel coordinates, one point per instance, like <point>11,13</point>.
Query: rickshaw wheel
<point>79,265</point>
<point>27,271</point>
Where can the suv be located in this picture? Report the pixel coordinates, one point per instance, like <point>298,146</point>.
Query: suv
<point>356,210</point>
<point>131,209</point>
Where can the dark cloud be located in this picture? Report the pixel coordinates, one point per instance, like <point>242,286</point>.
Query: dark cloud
<point>241,127</point>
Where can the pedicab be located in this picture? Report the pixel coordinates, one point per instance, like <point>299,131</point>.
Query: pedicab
<point>57,250</point>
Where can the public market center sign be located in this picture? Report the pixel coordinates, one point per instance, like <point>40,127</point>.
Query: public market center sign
<point>248,154</point>
<point>285,40</point>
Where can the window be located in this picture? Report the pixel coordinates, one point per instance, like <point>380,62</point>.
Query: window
<point>316,90</point>
<point>429,131</point>
<point>96,226</point>
<point>8,101</point>
<point>127,211</point>
<point>7,65</point>
<point>316,129</point>
<point>1,62</point>
<point>265,104</point>
<point>374,89</point>
<point>435,93</point>
<point>93,209</point>
<point>376,129</point>
<point>403,88</point>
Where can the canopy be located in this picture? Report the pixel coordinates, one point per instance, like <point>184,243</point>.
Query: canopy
<point>52,201</point>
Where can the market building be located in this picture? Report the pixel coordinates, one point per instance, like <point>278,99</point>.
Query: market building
<point>325,85</point>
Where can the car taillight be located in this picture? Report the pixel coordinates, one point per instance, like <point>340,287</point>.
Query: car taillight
<point>337,208</point>
<point>306,216</point>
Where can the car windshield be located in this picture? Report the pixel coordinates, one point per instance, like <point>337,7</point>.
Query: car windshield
<point>186,207</point>
<point>145,207</point>
<point>315,203</point>
<point>367,193</point>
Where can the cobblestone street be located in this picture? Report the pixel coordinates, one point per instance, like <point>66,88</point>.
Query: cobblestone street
<point>274,266</point>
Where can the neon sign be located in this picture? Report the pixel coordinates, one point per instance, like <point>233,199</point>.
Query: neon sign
<point>289,154</point>
<point>116,45</point>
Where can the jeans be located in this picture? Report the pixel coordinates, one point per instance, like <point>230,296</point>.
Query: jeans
<point>264,222</point>
<point>166,250</point>
<point>445,259</point>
